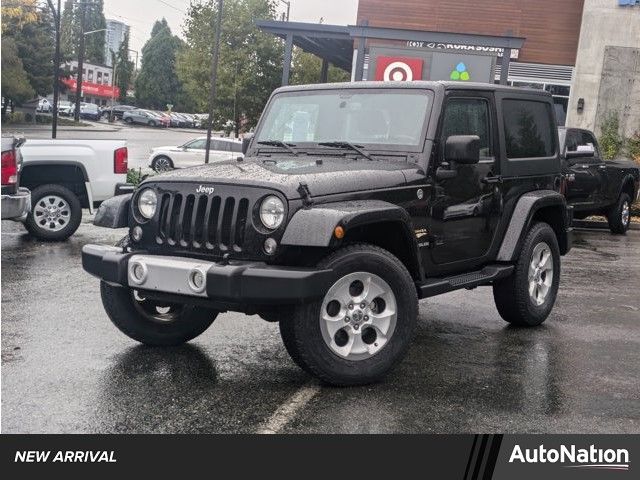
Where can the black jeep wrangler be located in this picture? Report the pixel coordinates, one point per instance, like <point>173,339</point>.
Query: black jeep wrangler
<point>353,202</point>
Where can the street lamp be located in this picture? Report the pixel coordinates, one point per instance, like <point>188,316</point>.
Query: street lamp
<point>76,115</point>
<point>288,4</point>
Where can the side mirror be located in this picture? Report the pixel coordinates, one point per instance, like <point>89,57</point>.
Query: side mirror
<point>246,141</point>
<point>584,152</point>
<point>462,149</point>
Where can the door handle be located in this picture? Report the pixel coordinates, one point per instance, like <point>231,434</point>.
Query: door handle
<point>602,166</point>
<point>489,180</point>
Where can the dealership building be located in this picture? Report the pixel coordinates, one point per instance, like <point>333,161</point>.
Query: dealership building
<point>586,53</point>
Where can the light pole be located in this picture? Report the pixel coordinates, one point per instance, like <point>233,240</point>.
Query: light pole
<point>214,77</point>
<point>76,115</point>
<point>288,4</point>
<point>56,69</point>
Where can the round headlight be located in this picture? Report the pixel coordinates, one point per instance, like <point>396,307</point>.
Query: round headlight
<point>272,212</point>
<point>147,203</point>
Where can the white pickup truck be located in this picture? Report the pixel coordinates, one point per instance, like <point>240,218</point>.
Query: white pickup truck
<point>65,176</point>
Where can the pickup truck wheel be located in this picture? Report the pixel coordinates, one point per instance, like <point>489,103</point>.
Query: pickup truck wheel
<point>528,295</point>
<point>55,213</point>
<point>151,322</point>
<point>162,163</point>
<point>619,216</point>
<point>364,324</point>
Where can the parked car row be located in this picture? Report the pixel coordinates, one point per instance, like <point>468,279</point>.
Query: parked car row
<point>89,111</point>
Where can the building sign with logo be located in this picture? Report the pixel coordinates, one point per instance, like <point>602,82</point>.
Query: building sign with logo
<point>92,89</point>
<point>398,68</point>
<point>457,47</point>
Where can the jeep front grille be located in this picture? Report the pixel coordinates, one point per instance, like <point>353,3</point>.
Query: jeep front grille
<point>206,222</point>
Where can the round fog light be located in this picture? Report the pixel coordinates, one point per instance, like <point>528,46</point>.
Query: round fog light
<point>136,233</point>
<point>197,281</point>
<point>138,272</point>
<point>270,246</point>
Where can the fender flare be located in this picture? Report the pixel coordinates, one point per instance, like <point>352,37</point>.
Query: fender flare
<point>628,178</point>
<point>114,212</point>
<point>314,227</point>
<point>523,213</point>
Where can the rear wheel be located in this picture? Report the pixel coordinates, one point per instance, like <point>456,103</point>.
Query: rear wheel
<point>154,322</point>
<point>526,298</point>
<point>128,120</point>
<point>619,216</point>
<point>364,324</point>
<point>55,213</point>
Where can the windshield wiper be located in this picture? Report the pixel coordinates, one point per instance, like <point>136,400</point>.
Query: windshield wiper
<point>349,145</point>
<point>279,143</point>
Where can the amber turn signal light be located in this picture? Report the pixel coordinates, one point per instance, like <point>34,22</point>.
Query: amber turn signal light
<point>339,232</point>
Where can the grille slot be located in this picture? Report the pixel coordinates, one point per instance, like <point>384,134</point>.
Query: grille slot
<point>203,222</point>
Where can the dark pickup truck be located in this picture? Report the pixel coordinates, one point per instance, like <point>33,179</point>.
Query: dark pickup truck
<point>596,187</point>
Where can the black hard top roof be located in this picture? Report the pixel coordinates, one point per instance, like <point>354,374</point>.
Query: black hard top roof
<point>418,84</point>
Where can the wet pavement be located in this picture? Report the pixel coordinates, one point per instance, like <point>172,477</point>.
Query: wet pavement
<point>65,368</point>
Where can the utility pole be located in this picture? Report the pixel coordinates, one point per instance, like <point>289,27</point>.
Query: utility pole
<point>214,77</point>
<point>83,10</point>
<point>56,68</point>
<point>288,4</point>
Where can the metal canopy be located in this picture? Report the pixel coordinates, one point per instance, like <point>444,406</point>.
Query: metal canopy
<point>329,42</point>
<point>334,43</point>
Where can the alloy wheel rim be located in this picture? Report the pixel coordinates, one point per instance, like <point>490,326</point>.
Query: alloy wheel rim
<point>358,316</point>
<point>52,213</point>
<point>162,164</point>
<point>625,213</point>
<point>540,273</point>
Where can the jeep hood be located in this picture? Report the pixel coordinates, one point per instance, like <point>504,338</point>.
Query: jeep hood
<point>323,176</point>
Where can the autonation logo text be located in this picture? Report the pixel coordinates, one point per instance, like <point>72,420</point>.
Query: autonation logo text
<point>574,457</point>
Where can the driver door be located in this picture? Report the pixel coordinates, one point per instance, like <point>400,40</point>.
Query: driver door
<point>465,209</point>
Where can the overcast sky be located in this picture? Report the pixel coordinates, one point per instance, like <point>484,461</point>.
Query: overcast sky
<point>140,15</point>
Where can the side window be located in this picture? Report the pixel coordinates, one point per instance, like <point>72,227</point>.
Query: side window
<point>529,129</point>
<point>469,116</point>
<point>198,144</point>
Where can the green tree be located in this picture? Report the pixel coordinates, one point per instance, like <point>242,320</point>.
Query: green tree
<point>71,28</point>
<point>35,45</point>
<point>15,82</point>
<point>124,68</point>
<point>250,64</point>
<point>306,69</point>
<point>157,83</point>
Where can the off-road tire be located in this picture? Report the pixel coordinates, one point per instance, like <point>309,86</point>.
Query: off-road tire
<point>118,303</point>
<point>614,217</point>
<point>67,195</point>
<point>301,333</point>
<point>511,294</point>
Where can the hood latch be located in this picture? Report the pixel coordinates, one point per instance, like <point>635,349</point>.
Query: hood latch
<point>303,190</point>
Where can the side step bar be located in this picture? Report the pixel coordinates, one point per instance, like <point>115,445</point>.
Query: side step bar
<point>437,286</point>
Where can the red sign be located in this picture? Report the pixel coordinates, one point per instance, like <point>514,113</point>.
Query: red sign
<point>93,89</point>
<point>398,69</point>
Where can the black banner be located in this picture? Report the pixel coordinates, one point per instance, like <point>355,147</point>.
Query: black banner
<point>466,457</point>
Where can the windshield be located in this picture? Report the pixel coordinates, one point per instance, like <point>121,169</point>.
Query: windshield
<point>370,117</point>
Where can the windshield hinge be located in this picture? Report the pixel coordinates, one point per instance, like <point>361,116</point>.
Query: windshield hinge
<point>303,190</point>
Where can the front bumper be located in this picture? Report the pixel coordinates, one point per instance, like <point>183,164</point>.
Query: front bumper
<point>246,283</point>
<point>16,206</point>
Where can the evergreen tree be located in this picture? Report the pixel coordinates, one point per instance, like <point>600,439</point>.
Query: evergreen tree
<point>157,83</point>
<point>124,68</point>
<point>71,28</point>
<point>35,45</point>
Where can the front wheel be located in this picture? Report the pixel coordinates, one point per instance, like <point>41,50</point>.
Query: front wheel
<point>55,214</point>
<point>619,216</point>
<point>364,324</point>
<point>152,322</point>
<point>152,123</point>
<point>528,295</point>
<point>161,164</point>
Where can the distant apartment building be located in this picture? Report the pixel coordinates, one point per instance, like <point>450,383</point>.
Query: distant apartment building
<point>113,38</point>
<point>97,83</point>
